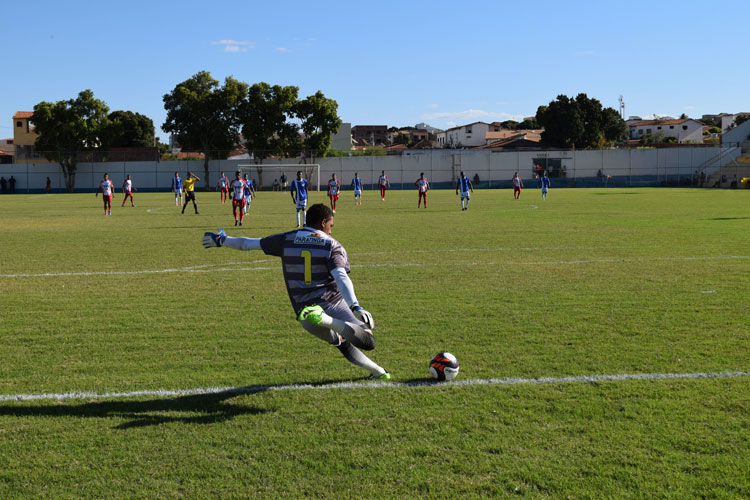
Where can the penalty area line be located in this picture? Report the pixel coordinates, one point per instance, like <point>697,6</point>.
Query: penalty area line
<point>254,389</point>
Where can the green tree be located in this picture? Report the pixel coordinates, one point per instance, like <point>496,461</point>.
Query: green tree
<point>266,125</point>
<point>528,125</point>
<point>65,128</point>
<point>579,123</point>
<point>205,116</point>
<point>128,130</point>
<point>266,116</point>
<point>509,124</point>
<point>591,114</point>
<point>613,126</point>
<point>562,122</point>
<point>402,139</point>
<point>320,121</point>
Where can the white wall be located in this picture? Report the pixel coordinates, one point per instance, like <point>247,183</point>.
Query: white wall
<point>495,169</point>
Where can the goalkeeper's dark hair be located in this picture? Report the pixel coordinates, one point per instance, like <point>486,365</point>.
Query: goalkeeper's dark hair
<point>317,214</point>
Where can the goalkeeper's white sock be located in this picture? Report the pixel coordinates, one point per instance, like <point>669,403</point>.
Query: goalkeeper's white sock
<point>357,357</point>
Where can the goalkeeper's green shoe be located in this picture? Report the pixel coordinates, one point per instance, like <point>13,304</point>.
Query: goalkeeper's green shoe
<point>311,314</point>
<point>384,377</point>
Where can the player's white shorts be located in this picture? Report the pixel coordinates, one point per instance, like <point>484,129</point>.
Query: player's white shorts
<point>464,195</point>
<point>544,190</point>
<point>357,192</point>
<point>301,204</point>
<point>248,200</point>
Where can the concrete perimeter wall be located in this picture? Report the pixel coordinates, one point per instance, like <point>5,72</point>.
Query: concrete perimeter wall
<point>619,167</point>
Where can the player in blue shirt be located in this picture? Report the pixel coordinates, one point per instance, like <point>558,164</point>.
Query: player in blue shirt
<point>299,197</point>
<point>249,192</point>
<point>177,189</point>
<point>545,185</point>
<point>357,185</point>
<point>464,185</point>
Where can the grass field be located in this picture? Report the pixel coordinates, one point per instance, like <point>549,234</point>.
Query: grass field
<point>587,283</point>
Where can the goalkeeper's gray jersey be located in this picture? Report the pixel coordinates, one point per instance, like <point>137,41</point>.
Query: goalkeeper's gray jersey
<point>307,257</point>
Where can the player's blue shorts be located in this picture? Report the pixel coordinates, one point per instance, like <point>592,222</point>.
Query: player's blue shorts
<point>301,204</point>
<point>357,192</point>
<point>464,194</point>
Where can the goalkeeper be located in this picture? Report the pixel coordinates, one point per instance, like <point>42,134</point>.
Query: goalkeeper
<point>316,271</point>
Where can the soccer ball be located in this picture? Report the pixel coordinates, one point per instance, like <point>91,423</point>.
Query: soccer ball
<point>444,366</point>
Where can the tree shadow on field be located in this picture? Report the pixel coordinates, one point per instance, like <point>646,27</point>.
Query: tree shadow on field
<point>196,409</point>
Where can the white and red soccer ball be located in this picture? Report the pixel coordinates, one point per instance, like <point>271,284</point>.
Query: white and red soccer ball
<point>444,366</point>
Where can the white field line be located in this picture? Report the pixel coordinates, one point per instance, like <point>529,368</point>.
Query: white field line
<point>236,266</point>
<point>253,389</point>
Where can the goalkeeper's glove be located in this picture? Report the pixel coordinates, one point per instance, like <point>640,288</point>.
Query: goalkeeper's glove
<point>214,239</point>
<point>363,315</point>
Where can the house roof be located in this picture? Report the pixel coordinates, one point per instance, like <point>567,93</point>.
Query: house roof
<point>643,123</point>
<point>512,142</point>
<point>532,135</point>
<point>23,114</point>
<point>467,125</point>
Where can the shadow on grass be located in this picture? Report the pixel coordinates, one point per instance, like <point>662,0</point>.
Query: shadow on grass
<point>730,218</point>
<point>421,381</point>
<point>193,409</point>
<point>197,409</point>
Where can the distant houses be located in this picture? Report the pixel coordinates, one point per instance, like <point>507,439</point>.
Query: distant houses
<point>683,131</point>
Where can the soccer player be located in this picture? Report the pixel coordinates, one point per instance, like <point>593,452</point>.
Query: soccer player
<point>128,188</point>
<point>189,188</point>
<point>223,186</point>
<point>316,271</point>
<point>334,186</point>
<point>299,197</point>
<point>384,184</point>
<point>238,198</point>
<point>422,186</point>
<point>545,185</point>
<point>177,189</point>
<point>517,185</point>
<point>249,192</point>
<point>283,181</point>
<point>107,189</point>
<point>464,185</point>
<point>357,185</point>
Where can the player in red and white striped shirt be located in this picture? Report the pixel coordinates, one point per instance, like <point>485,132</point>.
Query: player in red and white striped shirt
<point>422,186</point>
<point>334,186</point>
<point>107,188</point>
<point>238,198</point>
<point>127,189</point>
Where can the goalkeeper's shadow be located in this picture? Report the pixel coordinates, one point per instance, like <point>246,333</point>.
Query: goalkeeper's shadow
<point>194,409</point>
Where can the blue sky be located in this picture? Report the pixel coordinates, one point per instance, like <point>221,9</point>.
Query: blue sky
<point>385,63</point>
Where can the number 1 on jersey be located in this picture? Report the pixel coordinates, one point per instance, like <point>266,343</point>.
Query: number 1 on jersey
<point>307,255</point>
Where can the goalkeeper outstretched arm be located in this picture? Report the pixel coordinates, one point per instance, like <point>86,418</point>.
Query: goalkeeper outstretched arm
<point>220,239</point>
